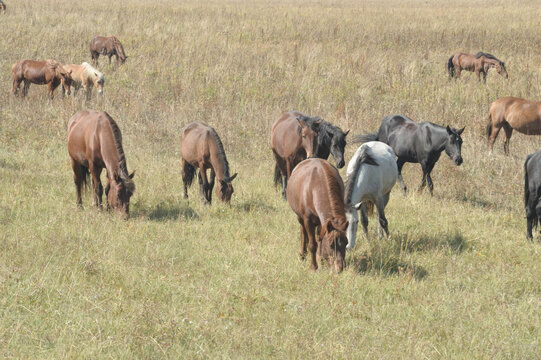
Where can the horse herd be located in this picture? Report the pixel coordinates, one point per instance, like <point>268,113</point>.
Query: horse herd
<point>53,73</point>
<point>301,146</point>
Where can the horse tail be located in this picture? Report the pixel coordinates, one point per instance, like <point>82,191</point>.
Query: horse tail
<point>489,126</point>
<point>528,198</point>
<point>277,175</point>
<point>188,173</point>
<point>85,178</point>
<point>369,208</point>
<point>363,138</point>
<point>451,67</point>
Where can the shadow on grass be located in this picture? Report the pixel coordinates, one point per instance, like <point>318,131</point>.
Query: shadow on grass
<point>167,211</point>
<point>253,205</point>
<point>380,262</point>
<point>454,242</point>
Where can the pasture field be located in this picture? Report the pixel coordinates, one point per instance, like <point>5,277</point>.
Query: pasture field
<point>457,279</point>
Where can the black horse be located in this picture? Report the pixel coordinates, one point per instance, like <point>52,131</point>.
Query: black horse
<point>532,191</point>
<point>417,143</point>
<point>331,141</point>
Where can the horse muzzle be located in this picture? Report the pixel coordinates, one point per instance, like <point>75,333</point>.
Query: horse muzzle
<point>341,164</point>
<point>459,161</point>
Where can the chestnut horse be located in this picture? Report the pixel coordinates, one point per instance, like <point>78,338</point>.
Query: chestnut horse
<point>294,137</point>
<point>316,194</point>
<point>201,148</point>
<point>85,76</point>
<point>480,64</point>
<point>94,143</point>
<point>513,113</point>
<point>48,72</point>
<point>102,45</point>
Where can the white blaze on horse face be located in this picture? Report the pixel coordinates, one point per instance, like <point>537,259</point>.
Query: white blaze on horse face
<point>353,218</point>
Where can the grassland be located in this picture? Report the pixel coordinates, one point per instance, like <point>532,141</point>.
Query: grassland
<point>456,280</point>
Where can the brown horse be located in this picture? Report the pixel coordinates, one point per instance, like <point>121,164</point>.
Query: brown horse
<point>102,45</point>
<point>316,194</point>
<point>48,72</point>
<point>201,147</point>
<point>294,137</point>
<point>480,64</point>
<point>513,113</point>
<point>94,143</point>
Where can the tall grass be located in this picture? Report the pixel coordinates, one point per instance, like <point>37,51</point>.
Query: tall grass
<point>456,279</point>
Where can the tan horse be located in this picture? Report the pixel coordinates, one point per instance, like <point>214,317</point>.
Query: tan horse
<point>48,72</point>
<point>294,137</point>
<point>316,194</point>
<point>86,76</point>
<point>480,64</point>
<point>103,45</point>
<point>511,113</point>
<point>201,148</point>
<point>94,143</point>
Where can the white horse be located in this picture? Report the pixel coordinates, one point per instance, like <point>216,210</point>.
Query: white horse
<point>371,175</point>
<point>86,76</point>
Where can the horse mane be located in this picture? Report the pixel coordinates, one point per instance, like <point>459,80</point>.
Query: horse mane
<point>336,202</point>
<point>118,46</point>
<point>91,72</point>
<point>221,151</point>
<point>117,138</point>
<point>311,122</point>
<point>327,131</point>
<point>363,158</point>
<point>488,56</point>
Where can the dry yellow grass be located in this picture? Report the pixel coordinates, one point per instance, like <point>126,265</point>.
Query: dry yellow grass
<point>457,279</point>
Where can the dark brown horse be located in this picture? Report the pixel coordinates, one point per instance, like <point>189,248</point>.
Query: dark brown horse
<point>102,45</point>
<point>201,148</point>
<point>294,137</point>
<point>480,64</point>
<point>316,194</point>
<point>94,143</point>
<point>513,113</point>
<point>48,72</point>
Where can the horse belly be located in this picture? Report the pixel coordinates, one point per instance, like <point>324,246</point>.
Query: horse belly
<point>525,126</point>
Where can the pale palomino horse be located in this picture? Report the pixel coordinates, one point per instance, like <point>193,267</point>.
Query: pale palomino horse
<point>371,175</point>
<point>86,76</point>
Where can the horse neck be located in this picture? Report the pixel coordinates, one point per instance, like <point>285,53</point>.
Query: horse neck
<point>336,203</point>
<point>439,141</point>
<point>217,159</point>
<point>113,154</point>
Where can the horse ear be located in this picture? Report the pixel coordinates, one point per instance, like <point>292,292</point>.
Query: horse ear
<point>327,227</point>
<point>319,122</point>
<point>346,133</point>
<point>233,177</point>
<point>459,132</point>
<point>449,131</point>
<point>301,122</point>
<point>132,174</point>
<point>96,74</point>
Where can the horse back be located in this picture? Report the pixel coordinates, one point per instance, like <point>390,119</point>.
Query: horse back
<point>195,143</point>
<point>316,191</point>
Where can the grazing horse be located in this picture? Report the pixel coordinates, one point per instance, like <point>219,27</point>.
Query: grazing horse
<point>480,64</point>
<point>513,113</point>
<point>201,148</point>
<point>94,143</point>
<point>316,194</point>
<point>294,137</point>
<point>86,76</point>
<point>48,72</point>
<point>371,175</point>
<point>417,143</point>
<point>532,191</point>
<point>102,45</point>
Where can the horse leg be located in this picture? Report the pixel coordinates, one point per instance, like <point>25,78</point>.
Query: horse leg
<point>429,178</point>
<point>484,77</point>
<point>495,130</point>
<point>16,85</point>
<point>380,204</point>
<point>78,178</point>
<point>508,131</point>
<point>312,244</point>
<point>87,89</point>
<point>424,167</point>
<point>51,89</point>
<point>110,56</point>
<point>364,220</point>
<point>304,239</point>
<point>211,185</point>
<point>203,185</point>
<point>399,164</point>
<point>26,86</point>
<point>97,193</point>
